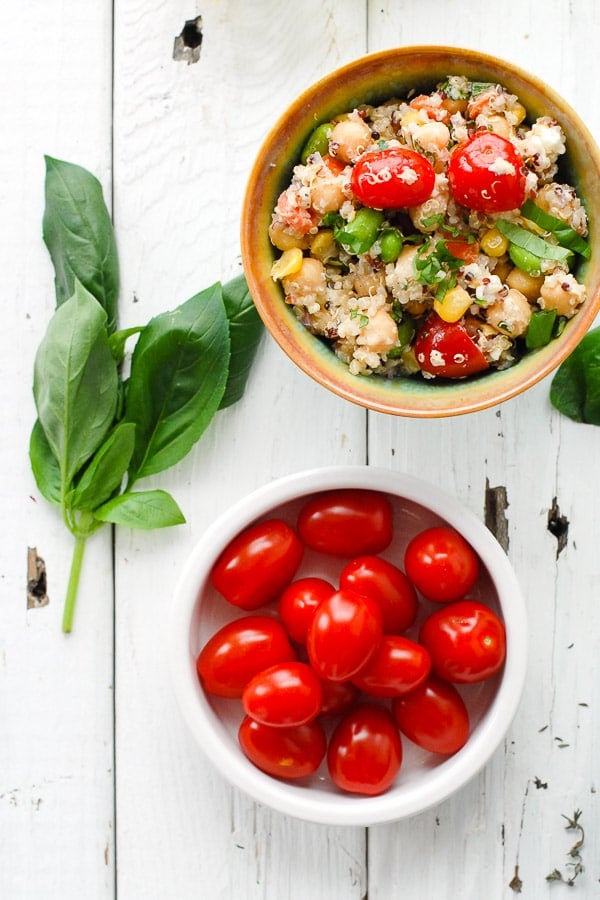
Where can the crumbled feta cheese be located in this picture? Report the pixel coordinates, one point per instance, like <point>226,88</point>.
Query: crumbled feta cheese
<point>502,167</point>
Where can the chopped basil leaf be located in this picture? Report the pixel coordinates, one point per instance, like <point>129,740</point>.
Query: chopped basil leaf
<point>564,234</point>
<point>531,242</point>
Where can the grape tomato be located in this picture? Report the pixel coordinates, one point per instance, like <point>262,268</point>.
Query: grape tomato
<point>433,716</point>
<point>286,694</point>
<point>293,752</point>
<point>347,522</point>
<point>365,751</point>
<point>441,564</point>
<point>298,603</point>
<point>387,585</point>
<point>345,631</point>
<point>466,640</point>
<point>397,667</point>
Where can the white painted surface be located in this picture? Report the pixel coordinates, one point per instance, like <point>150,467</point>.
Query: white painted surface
<point>100,800</point>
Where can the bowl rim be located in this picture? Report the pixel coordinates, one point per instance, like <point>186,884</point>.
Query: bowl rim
<point>451,399</point>
<point>328,807</point>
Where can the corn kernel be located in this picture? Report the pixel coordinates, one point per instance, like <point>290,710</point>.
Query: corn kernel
<point>323,244</point>
<point>518,112</point>
<point>493,243</point>
<point>455,303</point>
<point>413,116</point>
<point>289,262</point>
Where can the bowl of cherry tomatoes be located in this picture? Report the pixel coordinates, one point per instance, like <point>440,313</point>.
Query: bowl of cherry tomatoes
<point>348,645</point>
<point>417,231</point>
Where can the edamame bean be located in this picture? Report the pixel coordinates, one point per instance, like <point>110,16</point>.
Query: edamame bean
<point>361,233</point>
<point>390,242</point>
<point>318,141</point>
<point>525,260</point>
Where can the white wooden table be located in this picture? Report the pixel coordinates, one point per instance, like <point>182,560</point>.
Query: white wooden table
<point>103,793</point>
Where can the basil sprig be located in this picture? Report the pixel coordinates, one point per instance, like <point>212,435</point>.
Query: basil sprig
<point>575,389</point>
<point>97,434</point>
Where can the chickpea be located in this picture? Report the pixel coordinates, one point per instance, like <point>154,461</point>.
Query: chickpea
<point>284,239</point>
<point>561,292</point>
<point>528,284</point>
<point>380,334</point>
<point>368,283</point>
<point>404,269</point>
<point>433,137</point>
<point>510,315</point>
<point>498,124</point>
<point>326,195</point>
<point>305,284</point>
<point>349,139</point>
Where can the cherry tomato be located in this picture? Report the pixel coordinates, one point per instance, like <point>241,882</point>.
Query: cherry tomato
<point>283,752</point>
<point>464,250</point>
<point>434,716</point>
<point>286,694</point>
<point>345,631</point>
<point>298,603</point>
<point>487,174</point>
<point>466,640</point>
<point>338,697</point>
<point>388,585</point>
<point>398,666</point>
<point>238,651</point>
<point>257,564</point>
<point>347,522</point>
<point>441,564</point>
<point>365,751</point>
<point>445,349</point>
<point>392,179</point>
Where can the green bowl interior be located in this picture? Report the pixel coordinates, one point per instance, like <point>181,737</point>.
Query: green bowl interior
<point>374,79</point>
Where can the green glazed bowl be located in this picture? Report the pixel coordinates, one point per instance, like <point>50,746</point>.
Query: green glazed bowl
<point>372,79</point>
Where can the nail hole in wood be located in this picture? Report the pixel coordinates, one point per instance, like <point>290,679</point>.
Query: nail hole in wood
<point>36,580</point>
<point>188,44</point>
<point>558,525</point>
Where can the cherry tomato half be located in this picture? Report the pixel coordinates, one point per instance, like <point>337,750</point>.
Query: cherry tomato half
<point>286,694</point>
<point>398,666</point>
<point>365,750</point>
<point>257,564</point>
<point>238,651</point>
<point>434,716</point>
<point>395,178</point>
<point>486,174</point>
<point>466,640</point>
<point>388,585</point>
<point>298,603</point>
<point>347,522</point>
<point>445,349</point>
<point>441,564</point>
<point>345,631</point>
<point>283,752</point>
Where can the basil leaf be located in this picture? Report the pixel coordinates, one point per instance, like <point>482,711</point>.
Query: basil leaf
<point>44,465</point>
<point>118,339</point>
<point>79,235</point>
<point>178,375</point>
<point>141,509</point>
<point>245,332</point>
<point>541,328</point>
<point>575,389</point>
<point>528,241</point>
<point>105,472</point>
<point>564,234</point>
<point>75,382</point>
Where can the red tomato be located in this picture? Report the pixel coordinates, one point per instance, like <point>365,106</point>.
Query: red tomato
<point>392,179</point>
<point>462,249</point>
<point>398,666</point>
<point>388,585</point>
<point>238,651</point>
<point>365,751</point>
<point>466,640</point>
<point>298,603</point>
<point>345,631</point>
<point>256,566</point>
<point>286,694</point>
<point>338,697</point>
<point>434,716</point>
<point>347,522</point>
<point>445,349</point>
<point>487,174</point>
<point>283,752</point>
<point>441,564</point>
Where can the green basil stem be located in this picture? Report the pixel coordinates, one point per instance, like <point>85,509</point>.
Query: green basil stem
<point>73,585</point>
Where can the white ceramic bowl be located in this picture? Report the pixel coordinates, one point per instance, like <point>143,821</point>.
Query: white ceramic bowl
<point>425,779</point>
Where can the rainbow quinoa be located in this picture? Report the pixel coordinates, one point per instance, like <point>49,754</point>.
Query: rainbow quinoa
<point>432,236</point>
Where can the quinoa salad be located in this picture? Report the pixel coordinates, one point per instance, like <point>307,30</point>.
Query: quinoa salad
<point>432,236</point>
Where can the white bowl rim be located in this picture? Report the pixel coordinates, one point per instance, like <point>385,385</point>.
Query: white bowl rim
<point>326,807</point>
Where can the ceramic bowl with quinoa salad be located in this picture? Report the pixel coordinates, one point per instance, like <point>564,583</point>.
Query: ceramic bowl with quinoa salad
<point>433,242</point>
